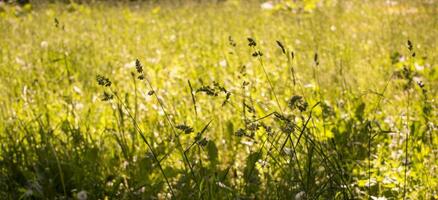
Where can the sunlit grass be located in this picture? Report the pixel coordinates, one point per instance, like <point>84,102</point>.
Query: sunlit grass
<point>227,111</point>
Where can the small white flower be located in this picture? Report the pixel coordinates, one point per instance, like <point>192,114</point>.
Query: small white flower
<point>391,3</point>
<point>44,44</point>
<point>297,41</point>
<point>378,198</point>
<point>223,63</point>
<point>267,5</point>
<point>309,85</point>
<point>172,38</point>
<point>417,79</point>
<point>248,143</point>
<point>82,195</point>
<point>79,106</point>
<point>77,89</point>
<point>300,195</point>
<point>110,184</point>
<point>130,64</point>
<point>333,28</point>
<point>402,59</point>
<point>20,61</point>
<point>153,60</point>
<point>419,67</point>
<point>125,164</point>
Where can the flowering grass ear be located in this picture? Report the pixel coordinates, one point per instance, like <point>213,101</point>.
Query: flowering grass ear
<point>298,102</point>
<point>251,42</point>
<point>186,129</point>
<point>316,59</point>
<point>411,48</point>
<point>281,47</point>
<point>103,81</point>
<point>257,54</point>
<point>231,41</point>
<point>107,96</point>
<point>240,132</point>
<point>410,45</point>
<point>56,22</point>
<point>138,66</point>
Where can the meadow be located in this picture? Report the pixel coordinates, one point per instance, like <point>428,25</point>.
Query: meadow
<point>230,99</point>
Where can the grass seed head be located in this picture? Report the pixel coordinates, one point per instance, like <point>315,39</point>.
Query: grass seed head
<point>252,42</point>
<point>186,129</point>
<point>410,45</point>
<point>56,22</point>
<point>203,142</point>
<point>207,90</point>
<point>103,81</point>
<point>107,96</point>
<point>316,59</point>
<point>231,41</point>
<point>138,66</point>
<point>240,132</point>
<point>298,102</point>
<point>257,53</point>
<point>281,47</point>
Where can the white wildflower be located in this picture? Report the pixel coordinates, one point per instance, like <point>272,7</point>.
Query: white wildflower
<point>77,90</point>
<point>44,44</point>
<point>391,3</point>
<point>20,61</point>
<point>419,67</point>
<point>333,28</point>
<point>223,63</point>
<point>79,106</point>
<point>300,195</point>
<point>172,38</point>
<point>267,5</point>
<point>130,64</point>
<point>82,195</point>
<point>378,198</point>
<point>309,85</point>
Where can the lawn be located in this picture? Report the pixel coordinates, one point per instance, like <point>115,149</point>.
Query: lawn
<point>234,99</point>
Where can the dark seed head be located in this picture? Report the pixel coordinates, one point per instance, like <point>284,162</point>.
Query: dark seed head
<point>207,90</point>
<point>107,96</point>
<point>240,132</point>
<point>231,41</point>
<point>203,142</point>
<point>315,59</point>
<point>410,45</point>
<point>281,47</point>
<point>186,129</point>
<point>56,22</point>
<point>252,42</point>
<point>103,81</point>
<point>298,102</point>
<point>138,66</point>
<point>257,53</point>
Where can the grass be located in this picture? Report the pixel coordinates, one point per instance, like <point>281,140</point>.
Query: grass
<point>219,100</point>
